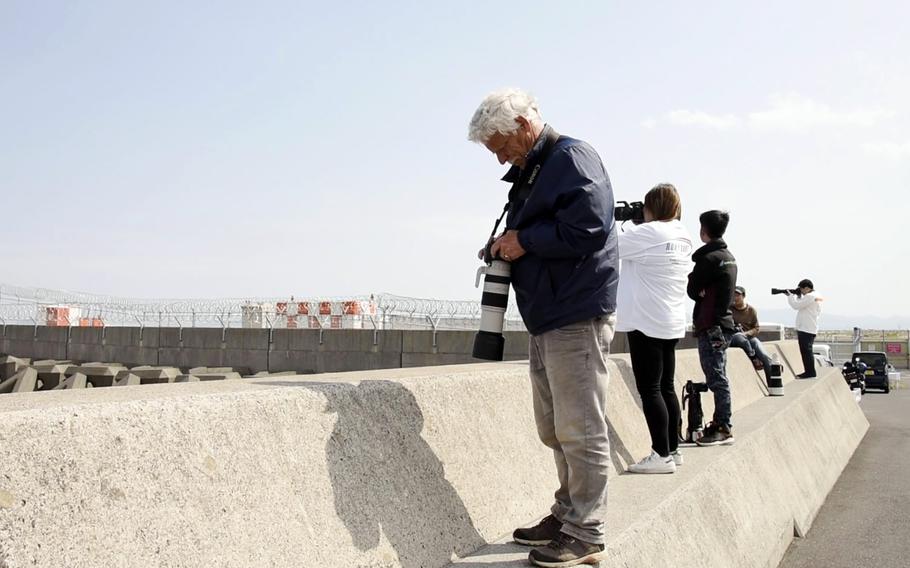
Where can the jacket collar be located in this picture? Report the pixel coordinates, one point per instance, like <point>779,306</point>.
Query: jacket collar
<point>515,172</point>
<point>709,247</point>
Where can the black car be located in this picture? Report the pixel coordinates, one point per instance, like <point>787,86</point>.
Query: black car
<point>877,369</point>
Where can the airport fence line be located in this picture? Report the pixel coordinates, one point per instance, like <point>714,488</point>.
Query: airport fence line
<point>40,307</point>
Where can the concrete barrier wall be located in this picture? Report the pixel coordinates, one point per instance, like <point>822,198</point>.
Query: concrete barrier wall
<point>301,350</point>
<point>35,342</point>
<point>308,351</point>
<point>128,345</point>
<point>740,506</point>
<point>390,468</point>
<point>284,472</point>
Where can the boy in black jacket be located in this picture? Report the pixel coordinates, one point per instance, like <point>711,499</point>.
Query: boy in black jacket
<point>711,285</point>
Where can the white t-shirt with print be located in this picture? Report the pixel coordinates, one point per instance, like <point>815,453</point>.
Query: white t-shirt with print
<point>655,261</point>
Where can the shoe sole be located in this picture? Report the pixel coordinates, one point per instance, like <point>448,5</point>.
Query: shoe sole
<point>531,542</point>
<point>726,442</point>
<point>594,558</point>
<point>640,472</point>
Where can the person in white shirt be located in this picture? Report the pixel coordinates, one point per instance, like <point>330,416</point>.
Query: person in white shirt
<point>655,259</point>
<point>809,306</point>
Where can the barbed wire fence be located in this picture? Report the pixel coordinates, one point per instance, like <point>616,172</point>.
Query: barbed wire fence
<point>42,306</point>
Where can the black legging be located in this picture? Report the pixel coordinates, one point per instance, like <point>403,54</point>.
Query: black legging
<point>654,364</point>
<point>806,340</point>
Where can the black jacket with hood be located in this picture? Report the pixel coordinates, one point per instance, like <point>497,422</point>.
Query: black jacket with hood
<point>715,274</point>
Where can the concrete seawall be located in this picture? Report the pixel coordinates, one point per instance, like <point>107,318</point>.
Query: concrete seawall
<point>408,467</point>
<point>304,351</point>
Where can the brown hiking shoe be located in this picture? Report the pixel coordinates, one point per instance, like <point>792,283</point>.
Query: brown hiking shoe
<point>565,550</point>
<point>540,534</point>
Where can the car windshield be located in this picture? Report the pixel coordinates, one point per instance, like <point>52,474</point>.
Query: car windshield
<point>871,359</point>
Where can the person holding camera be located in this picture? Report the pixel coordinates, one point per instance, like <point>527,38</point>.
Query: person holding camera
<point>561,244</point>
<point>746,337</point>
<point>711,285</point>
<point>655,257</point>
<point>808,306</point>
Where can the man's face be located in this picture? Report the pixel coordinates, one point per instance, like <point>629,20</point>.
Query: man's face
<point>805,290</point>
<point>513,147</point>
<point>738,300</point>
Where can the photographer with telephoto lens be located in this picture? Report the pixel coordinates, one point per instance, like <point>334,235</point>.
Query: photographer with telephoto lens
<point>655,257</point>
<point>808,305</point>
<point>561,244</point>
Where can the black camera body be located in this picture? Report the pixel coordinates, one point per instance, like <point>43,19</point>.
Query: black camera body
<point>795,291</point>
<point>625,211</point>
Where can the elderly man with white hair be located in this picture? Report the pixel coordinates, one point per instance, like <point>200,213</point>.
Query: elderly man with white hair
<point>561,243</point>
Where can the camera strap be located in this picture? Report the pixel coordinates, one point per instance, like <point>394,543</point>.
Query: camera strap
<point>522,186</point>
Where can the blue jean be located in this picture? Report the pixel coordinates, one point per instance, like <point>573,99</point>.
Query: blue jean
<point>714,365</point>
<point>754,350</point>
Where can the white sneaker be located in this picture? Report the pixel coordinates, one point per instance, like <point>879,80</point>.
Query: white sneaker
<point>677,458</point>
<point>654,464</point>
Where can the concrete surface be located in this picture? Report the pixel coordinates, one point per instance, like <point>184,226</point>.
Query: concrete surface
<point>728,506</point>
<point>866,519</point>
<point>403,467</point>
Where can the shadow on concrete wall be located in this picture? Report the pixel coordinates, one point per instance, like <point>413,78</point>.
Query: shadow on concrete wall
<point>386,478</point>
<point>618,448</point>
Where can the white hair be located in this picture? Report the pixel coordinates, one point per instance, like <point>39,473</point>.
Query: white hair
<point>498,111</point>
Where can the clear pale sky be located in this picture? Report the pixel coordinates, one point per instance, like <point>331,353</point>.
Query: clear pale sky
<point>187,149</point>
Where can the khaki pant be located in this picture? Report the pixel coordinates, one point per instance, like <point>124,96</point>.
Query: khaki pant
<point>569,384</point>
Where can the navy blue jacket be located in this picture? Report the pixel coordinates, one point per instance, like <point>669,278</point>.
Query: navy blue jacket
<point>569,273</point>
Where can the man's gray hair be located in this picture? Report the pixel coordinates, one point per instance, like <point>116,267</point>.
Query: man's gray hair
<point>498,111</point>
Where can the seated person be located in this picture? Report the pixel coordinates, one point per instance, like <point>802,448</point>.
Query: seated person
<point>746,336</point>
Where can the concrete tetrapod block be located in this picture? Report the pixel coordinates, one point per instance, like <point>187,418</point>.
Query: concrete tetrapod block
<point>262,374</point>
<point>75,381</point>
<point>149,376</point>
<point>10,365</point>
<point>48,380</point>
<point>38,365</point>
<point>186,379</point>
<point>210,370</point>
<point>97,374</point>
<point>213,376</point>
<point>127,380</point>
<point>23,381</point>
<point>52,366</point>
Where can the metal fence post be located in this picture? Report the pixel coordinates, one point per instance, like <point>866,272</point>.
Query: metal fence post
<point>433,323</point>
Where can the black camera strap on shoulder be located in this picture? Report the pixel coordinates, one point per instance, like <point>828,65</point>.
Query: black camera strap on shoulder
<point>522,186</point>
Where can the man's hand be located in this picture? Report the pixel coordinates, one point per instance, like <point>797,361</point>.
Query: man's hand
<point>507,247</point>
